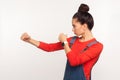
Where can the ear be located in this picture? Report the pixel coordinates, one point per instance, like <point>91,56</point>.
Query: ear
<point>84,26</point>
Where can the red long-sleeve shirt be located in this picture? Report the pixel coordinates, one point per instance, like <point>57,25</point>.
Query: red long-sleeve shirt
<point>87,58</point>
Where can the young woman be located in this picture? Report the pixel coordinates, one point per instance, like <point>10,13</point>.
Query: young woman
<point>82,51</point>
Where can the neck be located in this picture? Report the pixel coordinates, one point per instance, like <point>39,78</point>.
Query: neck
<point>86,36</point>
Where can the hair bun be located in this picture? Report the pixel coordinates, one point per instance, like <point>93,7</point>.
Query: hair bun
<point>83,8</point>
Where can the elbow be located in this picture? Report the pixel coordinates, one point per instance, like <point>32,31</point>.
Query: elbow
<point>73,63</point>
<point>73,60</point>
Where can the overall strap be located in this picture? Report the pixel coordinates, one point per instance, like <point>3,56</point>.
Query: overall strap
<point>92,43</point>
<point>89,45</point>
<point>72,41</point>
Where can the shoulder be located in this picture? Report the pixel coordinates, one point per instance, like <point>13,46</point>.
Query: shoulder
<point>98,46</point>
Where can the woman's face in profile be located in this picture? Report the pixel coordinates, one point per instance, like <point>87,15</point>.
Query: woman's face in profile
<point>78,28</point>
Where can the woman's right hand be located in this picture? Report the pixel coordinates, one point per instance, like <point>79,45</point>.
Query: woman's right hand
<point>25,37</point>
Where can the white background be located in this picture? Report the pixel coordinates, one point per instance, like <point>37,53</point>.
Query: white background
<point>44,20</point>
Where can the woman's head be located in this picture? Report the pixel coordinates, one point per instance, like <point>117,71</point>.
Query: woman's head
<point>82,20</point>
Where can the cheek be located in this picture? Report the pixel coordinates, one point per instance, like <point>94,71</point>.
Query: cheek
<point>79,30</point>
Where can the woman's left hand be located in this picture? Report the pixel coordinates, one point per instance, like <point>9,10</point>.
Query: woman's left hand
<point>62,37</point>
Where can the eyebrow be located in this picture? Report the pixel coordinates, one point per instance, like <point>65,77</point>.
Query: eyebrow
<point>73,25</point>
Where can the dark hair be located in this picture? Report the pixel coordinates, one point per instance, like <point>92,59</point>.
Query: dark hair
<point>84,17</point>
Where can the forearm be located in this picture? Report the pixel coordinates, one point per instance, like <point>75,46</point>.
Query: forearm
<point>34,42</point>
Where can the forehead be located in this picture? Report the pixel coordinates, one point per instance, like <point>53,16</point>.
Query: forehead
<point>74,20</point>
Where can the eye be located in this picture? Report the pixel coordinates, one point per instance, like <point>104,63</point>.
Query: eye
<point>73,26</point>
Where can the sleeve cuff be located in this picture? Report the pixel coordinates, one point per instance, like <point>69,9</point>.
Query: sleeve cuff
<point>40,44</point>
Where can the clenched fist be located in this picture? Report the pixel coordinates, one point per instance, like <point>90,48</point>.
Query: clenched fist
<point>25,37</point>
<point>62,37</point>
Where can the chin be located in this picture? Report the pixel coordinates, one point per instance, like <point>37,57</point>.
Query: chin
<point>75,34</point>
<point>78,35</point>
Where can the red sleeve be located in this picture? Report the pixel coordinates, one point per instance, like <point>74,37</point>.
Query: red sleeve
<point>49,47</point>
<point>80,58</point>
